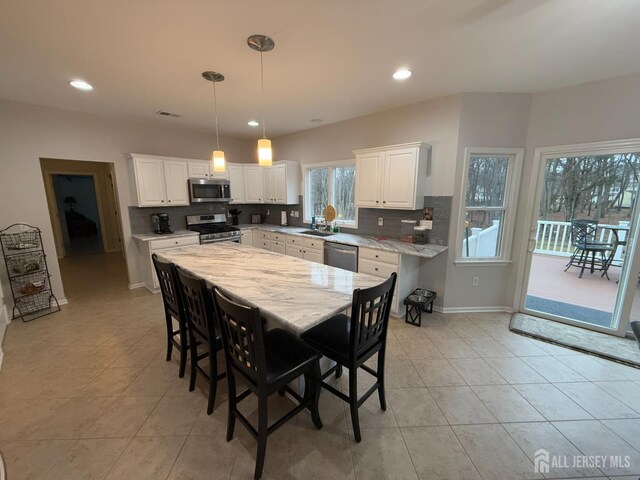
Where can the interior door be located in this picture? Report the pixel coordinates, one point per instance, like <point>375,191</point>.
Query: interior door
<point>592,283</point>
<point>399,178</point>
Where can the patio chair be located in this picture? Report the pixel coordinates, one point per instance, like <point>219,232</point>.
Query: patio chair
<point>583,240</point>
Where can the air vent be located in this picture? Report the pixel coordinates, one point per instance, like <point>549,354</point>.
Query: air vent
<point>164,113</point>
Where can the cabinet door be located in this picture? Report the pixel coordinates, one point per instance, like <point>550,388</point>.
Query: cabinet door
<point>294,251</point>
<point>267,178</point>
<point>368,179</point>
<point>198,169</point>
<point>278,247</point>
<point>266,244</point>
<point>236,183</point>
<point>150,182</point>
<point>246,237</point>
<point>253,184</point>
<point>314,255</point>
<point>279,184</point>
<point>176,176</point>
<point>399,178</point>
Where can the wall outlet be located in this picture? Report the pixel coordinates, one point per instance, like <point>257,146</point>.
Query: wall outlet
<point>291,213</point>
<point>296,213</point>
<point>475,281</point>
<point>268,212</point>
<point>380,221</point>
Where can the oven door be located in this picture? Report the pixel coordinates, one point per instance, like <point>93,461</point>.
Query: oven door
<point>205,190</point>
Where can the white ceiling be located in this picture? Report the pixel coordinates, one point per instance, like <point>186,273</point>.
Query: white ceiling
<point>333,58</point>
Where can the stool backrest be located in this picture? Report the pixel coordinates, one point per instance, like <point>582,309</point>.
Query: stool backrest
<point>583,231</point>
<point>198,306</point>
<point>242,336</point>
<point>168,281</point>
<point>370,312</point>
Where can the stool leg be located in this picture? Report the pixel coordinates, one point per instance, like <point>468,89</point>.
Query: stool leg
<point>353,402</point>
<point>314,391</point>
<point>381,396</point>
<point>231,418</point>
<point>262,435</point>
<point>194,362</point>
<point>169,336</point>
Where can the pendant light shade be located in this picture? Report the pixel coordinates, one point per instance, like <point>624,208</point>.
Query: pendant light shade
<point>218,163</point>
<point>262,43</point>
<point>265,154</point>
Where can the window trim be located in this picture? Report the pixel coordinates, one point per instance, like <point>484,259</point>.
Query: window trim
<point>305,187</point>
<point>510,205</point>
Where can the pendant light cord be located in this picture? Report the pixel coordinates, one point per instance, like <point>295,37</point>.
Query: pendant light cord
<point>215,109</point>
<point>264,135</point>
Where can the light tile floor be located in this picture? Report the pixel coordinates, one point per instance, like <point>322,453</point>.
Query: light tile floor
<point>87,394</point>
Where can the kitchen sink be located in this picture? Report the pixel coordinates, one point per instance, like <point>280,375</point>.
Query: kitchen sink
<point>317,233</point>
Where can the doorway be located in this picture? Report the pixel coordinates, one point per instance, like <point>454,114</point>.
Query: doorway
<point>581,255</point>
<point>78,213</point>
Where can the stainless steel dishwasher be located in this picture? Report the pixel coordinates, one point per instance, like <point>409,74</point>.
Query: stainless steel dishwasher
<point>341,256</point>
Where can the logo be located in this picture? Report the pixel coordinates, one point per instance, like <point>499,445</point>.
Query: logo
<point>541,461</point>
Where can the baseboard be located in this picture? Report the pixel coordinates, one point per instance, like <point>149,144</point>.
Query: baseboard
<point>472,309</point>
<point>133,286</point>
<point>62,301</point>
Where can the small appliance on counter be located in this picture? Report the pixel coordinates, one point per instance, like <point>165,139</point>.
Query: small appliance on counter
<point>234,212</point>
<point>256,218</point>
<point>283,218</point>
<point>160,223</point>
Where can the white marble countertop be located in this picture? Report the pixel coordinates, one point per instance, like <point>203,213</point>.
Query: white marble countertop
<point>147,237</point>
<point>425,251</point>
<point>290,292</point>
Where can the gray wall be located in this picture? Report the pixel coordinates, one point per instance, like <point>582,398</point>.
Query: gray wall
<point>28,133</point>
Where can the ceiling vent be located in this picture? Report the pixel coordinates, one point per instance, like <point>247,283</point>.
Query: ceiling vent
<point>164,113</point>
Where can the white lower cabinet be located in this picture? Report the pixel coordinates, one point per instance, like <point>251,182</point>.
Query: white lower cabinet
<point>294,250</point>
<point>246,237</point>
<point>154,246</point>
<point>382,264</point>
<point>278,247</point>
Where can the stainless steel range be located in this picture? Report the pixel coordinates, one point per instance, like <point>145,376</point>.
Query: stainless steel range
<point>213,228</point>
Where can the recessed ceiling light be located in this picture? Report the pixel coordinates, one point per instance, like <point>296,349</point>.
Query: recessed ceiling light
<point>253,123</point>
<point>81,85</point>
<point>316,120</point>
<point>402,74</point>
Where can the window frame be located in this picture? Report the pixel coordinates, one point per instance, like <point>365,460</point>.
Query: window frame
<point>514,168</point>
<point>306,168</point>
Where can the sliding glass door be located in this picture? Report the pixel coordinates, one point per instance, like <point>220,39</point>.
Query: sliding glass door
<point>581,266</point>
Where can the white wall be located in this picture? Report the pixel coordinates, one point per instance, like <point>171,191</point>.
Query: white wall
<point>4,320</point>
<point>29,132</point>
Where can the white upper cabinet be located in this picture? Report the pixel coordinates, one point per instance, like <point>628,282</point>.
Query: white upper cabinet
<point>392,177</point>
<point>236,183</point>
<point>158,181</point>
<point>254,184</point>
<point>176,176</point>
<point>202,169</point>
<point>282,183</point>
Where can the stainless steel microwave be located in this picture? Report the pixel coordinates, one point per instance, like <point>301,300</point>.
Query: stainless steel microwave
<point>209,190</point>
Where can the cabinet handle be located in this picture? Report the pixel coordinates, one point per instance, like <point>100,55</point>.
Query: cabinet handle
<point>377,256</point>
<point>162,201</point>
<point>384,201</point>
<point>169,201</point>
<point>376,269</point>
<point>377,201</point>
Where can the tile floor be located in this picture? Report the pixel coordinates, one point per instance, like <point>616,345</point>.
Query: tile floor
<point>86,394</point>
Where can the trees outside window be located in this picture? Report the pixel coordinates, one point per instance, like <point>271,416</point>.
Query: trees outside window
<point>331,184</point>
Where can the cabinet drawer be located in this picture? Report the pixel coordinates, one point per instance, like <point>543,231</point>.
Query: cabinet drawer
<point>293,240</point>
<point>173,242</point>
<point>278,237</point>
<point>265,235</point>
<point>378,269</point>
<point>312,243</point>
<point>380,256</point>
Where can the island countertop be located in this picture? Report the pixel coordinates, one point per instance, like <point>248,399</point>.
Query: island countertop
<point>290,292</point>
<point>428,250</point>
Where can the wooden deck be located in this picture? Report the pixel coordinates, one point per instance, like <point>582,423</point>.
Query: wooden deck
<point>548,280</point>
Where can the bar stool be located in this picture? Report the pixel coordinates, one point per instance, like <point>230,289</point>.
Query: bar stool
<point>351,341</point>
<point>203,331</point>
<point>173,309</point>
<point>267,362</point>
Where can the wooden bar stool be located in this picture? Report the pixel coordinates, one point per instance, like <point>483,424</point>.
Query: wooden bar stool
<point>267,362</point>
<point>351,341</point>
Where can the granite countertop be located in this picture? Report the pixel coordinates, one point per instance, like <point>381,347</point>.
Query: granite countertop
<point>425,251</point>
<point>292,293</point>
<point>147,237</point>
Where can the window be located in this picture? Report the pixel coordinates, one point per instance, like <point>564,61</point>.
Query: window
<point>488,203</point>
<point>331,184</point>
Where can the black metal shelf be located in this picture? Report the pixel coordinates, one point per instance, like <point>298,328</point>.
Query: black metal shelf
<point>28,273</point>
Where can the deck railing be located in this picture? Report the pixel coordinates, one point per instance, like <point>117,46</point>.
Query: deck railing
<point>554,238</point>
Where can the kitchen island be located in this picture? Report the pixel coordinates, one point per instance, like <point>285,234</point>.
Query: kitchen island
<point>291,293</point>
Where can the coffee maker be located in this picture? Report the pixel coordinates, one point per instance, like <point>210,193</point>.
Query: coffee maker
<point>160,223</point>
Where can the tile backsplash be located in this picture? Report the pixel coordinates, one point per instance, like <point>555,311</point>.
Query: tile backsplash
<point>367,219</point>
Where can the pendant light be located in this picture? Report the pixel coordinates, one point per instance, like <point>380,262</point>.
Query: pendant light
<point>262,43</point>
<point>217,157</point>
